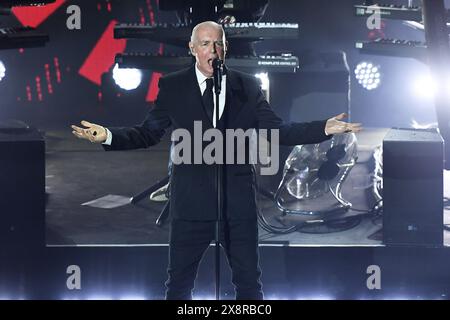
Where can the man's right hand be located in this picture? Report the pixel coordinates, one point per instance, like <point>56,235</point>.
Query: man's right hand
<point>92,132</point>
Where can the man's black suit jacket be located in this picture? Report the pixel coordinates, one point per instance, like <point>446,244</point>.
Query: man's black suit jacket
<point>192,186</point>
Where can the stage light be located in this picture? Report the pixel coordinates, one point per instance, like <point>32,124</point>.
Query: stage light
<point>265,84</point>
<point>263,76</point>
<point>424,86</point>
<point>127,78</point>
<point>368,75</point>
<point>2,70</point>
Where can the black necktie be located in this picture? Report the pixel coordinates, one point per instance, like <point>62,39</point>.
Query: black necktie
<point>208,98</point>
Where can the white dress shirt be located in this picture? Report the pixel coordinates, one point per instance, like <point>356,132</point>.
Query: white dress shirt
<point>201,78</point>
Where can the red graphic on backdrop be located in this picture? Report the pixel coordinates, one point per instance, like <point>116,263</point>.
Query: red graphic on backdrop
<point>34,16</point>
<point>153,89</point>
<point>102,57</point>
<point>48,79</point>
<point>151,13</point>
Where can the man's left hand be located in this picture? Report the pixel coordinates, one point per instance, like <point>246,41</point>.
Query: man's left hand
<point>335,125</point>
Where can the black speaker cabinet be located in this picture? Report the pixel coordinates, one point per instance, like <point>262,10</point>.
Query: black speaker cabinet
<point>413,187</point>
<point>22,188</point>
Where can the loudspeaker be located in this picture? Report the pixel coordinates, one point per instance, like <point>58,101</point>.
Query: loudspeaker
<point>413,187</point>
<point>22,188</point>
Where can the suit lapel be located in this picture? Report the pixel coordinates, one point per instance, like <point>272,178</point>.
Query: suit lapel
<point>235,96</point>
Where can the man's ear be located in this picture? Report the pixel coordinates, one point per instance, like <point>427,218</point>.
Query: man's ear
<point>191,48</point>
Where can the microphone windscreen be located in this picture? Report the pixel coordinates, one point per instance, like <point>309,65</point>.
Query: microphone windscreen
<point>217,63</point>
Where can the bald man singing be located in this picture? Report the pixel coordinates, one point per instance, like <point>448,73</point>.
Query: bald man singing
<point>184,101</point>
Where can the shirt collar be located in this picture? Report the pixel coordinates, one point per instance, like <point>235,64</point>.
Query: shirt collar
<point>200,76</point>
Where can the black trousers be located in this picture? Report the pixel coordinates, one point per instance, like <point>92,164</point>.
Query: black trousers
<point>189,240</point>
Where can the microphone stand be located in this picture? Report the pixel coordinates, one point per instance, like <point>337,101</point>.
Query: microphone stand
<point>217,65</point>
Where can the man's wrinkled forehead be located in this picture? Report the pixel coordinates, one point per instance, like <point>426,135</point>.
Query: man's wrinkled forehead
<point>208,33</point>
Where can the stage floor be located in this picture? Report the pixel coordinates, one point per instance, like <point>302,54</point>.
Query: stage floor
<point>78,172</point>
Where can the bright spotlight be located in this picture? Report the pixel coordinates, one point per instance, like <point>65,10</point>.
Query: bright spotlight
<point>368,75</point>
<point>265,83</point>
<point>264,80</point>
<point>127,78</point>
<point>2,70</point>
<point>424,86</point>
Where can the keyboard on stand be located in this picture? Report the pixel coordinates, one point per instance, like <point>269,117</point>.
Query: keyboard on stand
<point>179,33</point>
<point>168,63</point>
<point>21,37</point>
<point>394,48</point>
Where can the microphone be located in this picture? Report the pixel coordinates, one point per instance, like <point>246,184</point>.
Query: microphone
<point>217,65</point>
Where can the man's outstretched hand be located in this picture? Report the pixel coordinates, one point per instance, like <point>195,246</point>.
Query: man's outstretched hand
<point>335,125</point>
<point>92,132</point>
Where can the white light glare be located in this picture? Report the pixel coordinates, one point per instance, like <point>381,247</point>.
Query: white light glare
<point>316,297</point>
<point>132,297</point>
<point>425,86</point>
<point>263,76</point>
<point>99,297</point>
<point>416,125</point>
<point>204,297</point>
<point>127,78</point>
<point>2,70</point>
<point>276,297</point>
